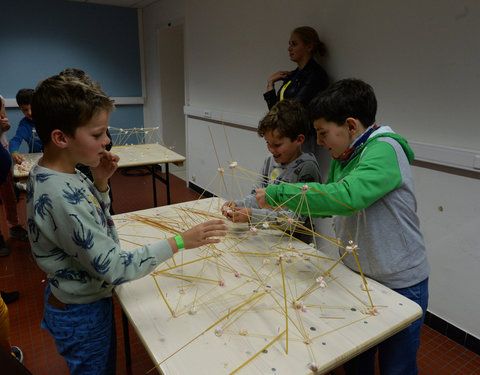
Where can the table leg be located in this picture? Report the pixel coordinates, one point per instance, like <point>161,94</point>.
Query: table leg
<point>167,179</point>
<point>154,183</point>
<point>126,340</point>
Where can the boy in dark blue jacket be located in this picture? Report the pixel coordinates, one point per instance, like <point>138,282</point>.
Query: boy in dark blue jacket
<point>26,128</point>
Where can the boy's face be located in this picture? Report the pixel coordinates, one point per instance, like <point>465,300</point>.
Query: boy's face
<point>283,149</point>
<point>26,110</point>
<point>90,140</point>
<point>334,137</point>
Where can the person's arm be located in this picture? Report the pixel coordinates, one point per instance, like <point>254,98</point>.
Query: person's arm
<point>278,76</point>
<point>21,134</point>
<point>283,217</point>
<point>376,175</point>
<point>81,226</point>
<point>107,167</point>
<point>270,96</point>
<point>199,235</point>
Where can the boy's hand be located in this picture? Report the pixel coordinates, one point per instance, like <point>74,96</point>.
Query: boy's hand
<point>227,206</point>
<point>202,234</point>
<point>227,209</point>
<point>105,169</point>
<point>240,215</point>
<point>17,158</point>
<point>236,214</point>
<point>260,197</point>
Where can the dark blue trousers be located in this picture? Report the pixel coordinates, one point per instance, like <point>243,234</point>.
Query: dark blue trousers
<point>398,354</point>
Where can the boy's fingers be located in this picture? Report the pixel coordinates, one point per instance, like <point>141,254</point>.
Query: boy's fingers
<point>217,223</point>
<point>215,230</point>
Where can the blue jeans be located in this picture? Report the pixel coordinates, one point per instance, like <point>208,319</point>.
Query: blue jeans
<point>397,355</point>
<point>84,335</point>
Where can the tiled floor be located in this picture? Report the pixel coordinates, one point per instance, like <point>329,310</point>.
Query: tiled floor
<point>18,271</point>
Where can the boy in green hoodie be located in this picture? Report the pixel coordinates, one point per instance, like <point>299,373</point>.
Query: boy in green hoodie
<point>370,193</point>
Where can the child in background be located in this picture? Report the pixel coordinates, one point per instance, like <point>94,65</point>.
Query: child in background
<point>26,128</point>
<point>284,129</point>
<point>72,234</point>
<point>370,173</point>
<point>7,191</point>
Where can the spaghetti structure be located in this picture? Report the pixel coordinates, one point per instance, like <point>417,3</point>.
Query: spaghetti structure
<point>136,136</point>
<point>258,291</point>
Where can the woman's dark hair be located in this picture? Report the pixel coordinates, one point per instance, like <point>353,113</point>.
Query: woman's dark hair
<point>308,35</point>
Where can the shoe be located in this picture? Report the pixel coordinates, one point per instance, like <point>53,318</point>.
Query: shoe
<point>21,186</point>
<point>17,352</point>
<point>19,233</point>
<point>4,250</point>
<point>9,297</point>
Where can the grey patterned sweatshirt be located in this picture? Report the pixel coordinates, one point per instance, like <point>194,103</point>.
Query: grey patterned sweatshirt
<point>74,239</point>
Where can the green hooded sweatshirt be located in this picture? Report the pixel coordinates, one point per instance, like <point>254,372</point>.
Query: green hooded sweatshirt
<point>373,201</point>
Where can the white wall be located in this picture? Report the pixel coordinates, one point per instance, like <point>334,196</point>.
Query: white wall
<point>421,58</point>
<point>154,17</point>
<point>449,211</point>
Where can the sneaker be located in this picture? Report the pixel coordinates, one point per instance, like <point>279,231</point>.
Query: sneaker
<point>4,250</point>
<point>17,352</point>
<point>19,233</point>
<point>9,297</point>
<point>21,186</point>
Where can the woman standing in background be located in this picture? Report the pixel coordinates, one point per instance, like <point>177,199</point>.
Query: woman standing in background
<point>305,82</point>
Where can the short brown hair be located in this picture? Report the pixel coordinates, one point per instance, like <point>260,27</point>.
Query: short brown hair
<point>66,103</point>
<point>288,117</point>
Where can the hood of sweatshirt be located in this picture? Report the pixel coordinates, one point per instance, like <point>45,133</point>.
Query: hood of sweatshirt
<point>386,131</point>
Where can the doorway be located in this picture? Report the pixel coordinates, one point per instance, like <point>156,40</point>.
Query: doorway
<point>172,88</point>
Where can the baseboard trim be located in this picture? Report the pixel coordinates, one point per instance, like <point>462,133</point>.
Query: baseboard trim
<point>453,333</point>
<point>204,193</point>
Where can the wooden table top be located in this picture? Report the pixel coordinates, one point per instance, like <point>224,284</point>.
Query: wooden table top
<point>130,156</point>
<point>221,309</point>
